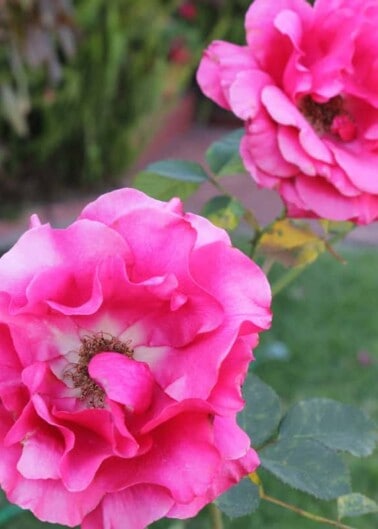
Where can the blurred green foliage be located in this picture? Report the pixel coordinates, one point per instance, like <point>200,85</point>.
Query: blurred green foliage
<point>76,122</point>
<point>83,86</point>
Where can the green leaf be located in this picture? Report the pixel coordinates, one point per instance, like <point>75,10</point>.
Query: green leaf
<point>223,155</point>
<point>355,504</point>
<point>308,466</point>
<point>200,521</point>
<point>262,412</point>
<point>272,350</point>
<point>336,425</point>
<point>240,500</point>
<point>163,188</point>
<point>224,212</point>
<point>8,512</point>
<point>179,170</point>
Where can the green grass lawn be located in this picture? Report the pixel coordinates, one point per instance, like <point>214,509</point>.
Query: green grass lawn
<point>325,321</point>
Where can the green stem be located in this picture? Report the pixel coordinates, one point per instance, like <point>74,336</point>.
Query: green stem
<point>287,278</point>
<point>305,514</point>
<point>216,517</point>
<point>252,221</point>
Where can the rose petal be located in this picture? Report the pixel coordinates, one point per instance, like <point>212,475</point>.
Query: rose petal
<point>328,203</point>
<point>135,507</point>
<point>264,39</point>
<point>219,67</point>
<point>110,207</point>
<point>51,502</point>
<point>245,93</point>
<point>56,249</point>
<point>185,443</point>
<point>263,131</point>
<point>247,301</point>
<point>363,175</point>
<point>229,438</point>
<point>44,445</point>
<point>228,474</point>
<point>123,379</point>
<point>285,113</point>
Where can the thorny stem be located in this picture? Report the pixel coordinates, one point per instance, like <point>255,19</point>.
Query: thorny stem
<point>305,514</point>
<point>219,186</point>
<point>216,517</point>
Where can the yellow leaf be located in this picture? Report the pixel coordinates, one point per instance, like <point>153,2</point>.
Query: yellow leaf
<point>255,478</point>
<point>291,243</point>
<point>330,226</point>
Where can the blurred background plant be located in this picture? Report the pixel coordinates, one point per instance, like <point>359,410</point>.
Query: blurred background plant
<point>84,85</point>
<point>36,36</point>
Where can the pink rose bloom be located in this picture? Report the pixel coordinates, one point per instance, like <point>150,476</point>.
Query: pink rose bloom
<point>124,341</point>
<point>306,85</point>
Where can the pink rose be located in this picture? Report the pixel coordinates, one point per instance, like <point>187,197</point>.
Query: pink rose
<point>306,85</point>
<point>124,341</point>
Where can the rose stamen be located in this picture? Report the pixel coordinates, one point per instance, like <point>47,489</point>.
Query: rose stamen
<point>330,117</point>
<point>78,373</point>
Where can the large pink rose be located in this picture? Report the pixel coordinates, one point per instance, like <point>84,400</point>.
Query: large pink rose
<point>124,341</point>
<point>306,85</point>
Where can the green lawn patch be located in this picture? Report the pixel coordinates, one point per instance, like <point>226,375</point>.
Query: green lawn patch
<point>324,343</point>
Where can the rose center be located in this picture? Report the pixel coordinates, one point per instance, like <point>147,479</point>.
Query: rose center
<point>330,117</point>
<point>90,392</point>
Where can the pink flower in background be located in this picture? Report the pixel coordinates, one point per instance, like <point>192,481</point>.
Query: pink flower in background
<point>124,341</point>
<point>306,85</point>
<point>188,10</point>
<point>179,52</point>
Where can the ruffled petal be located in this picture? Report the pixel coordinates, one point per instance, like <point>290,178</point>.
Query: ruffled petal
<point>229,473</point>
<point>135,507</point>
<point>248,301</point>
<point>245,93</point>
<point>57,249</point>
<point>123,379</point>
<point>110,207</point>
<point>285,113</point>
<point>219,67</point>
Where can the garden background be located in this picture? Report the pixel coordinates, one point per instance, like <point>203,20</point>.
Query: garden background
<point>91,92</point>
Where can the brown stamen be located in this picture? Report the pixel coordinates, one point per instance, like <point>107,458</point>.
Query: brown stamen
<point>330,117</point>
<point>321,115</point>
<point>90,391</point>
